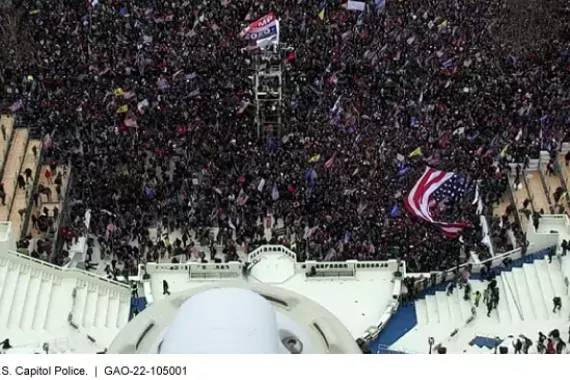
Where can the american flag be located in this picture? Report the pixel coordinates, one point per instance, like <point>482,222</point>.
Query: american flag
<point>437,188</point>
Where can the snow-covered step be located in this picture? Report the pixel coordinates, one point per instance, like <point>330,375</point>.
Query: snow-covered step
<point>32,299</point>
<point>455,308</point>
<point>3,272</point>
<point>113,314</point>
<point>545,281</point>
<point>503,309</point>
<point>536,293</point>
<point>124,312</point>
<point>557,278</point>
<point>19,298</point>
<point>56,315</point>
<point>421,312</point>
<point>8,291</point>
<point>42,306</point>
<point>442,307</point>
<point>510,296</point>
<point>90,305</point>
<point>558,284</point>
<point>523,291</point>
<point>79,303</point>
<point>103,303</point>
<point>465,306</point>
<point>433,314</point>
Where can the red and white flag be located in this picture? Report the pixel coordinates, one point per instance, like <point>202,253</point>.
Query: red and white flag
<point>433,188</point>
<point>242,108</point>
<point>242,198</point>
<point>47,141</point>
<point>330,162</point>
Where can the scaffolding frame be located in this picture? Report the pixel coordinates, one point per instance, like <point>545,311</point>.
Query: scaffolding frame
<point>268,89</point>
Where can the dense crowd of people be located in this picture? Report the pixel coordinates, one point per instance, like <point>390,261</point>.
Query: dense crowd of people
<point>145,100</point>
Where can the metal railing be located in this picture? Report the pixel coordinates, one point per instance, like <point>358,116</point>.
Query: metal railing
<point>73,272</point>
<point>30,201</point>
<point>14,191</point>
<point>64,212</point>
<point>442,276</point>
<point>5,151</point>
<point>546,186</point>
<point>514,203</point>
<point>529,192</point>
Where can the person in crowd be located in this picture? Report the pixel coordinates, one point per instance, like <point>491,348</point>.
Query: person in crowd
<point>557,301</point>
<point>165,290</point>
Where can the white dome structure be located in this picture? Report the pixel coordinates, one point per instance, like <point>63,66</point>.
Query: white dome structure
<point>223,321</point>
<point>235,318</point>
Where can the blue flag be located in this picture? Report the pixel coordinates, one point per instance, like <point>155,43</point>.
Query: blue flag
<point>395,212</point>
<point>310,176</point>
<point>379,4</point>
<point>275,193</point>
<point>149,192</point>
<point>271,144</point>
<point>448,64</point>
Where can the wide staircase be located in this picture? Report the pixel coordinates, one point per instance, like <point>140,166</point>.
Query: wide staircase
<point>526,292</point>
<point>537,192</point>
<point>7,123</point>
<point>551,183</point>
<point>42,302</point>
<point>18,152</point>
<point>52,201</point>
<point>12,169</point>
<point>22,198</point>
<point>98,307</point>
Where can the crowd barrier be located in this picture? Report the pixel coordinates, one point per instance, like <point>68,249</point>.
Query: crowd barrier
<point>229,270</point>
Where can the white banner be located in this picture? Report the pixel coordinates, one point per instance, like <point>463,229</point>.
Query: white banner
<point>356,6</point>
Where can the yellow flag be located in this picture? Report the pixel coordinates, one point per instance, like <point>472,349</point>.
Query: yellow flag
<point>118,92</point>
<point>504,151</point>
<point>35,12</point>
<point>315,158</point>
<point>122,109</point>
<point>443,24</point>
<point>416,152</point>
<point>322,14</point>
